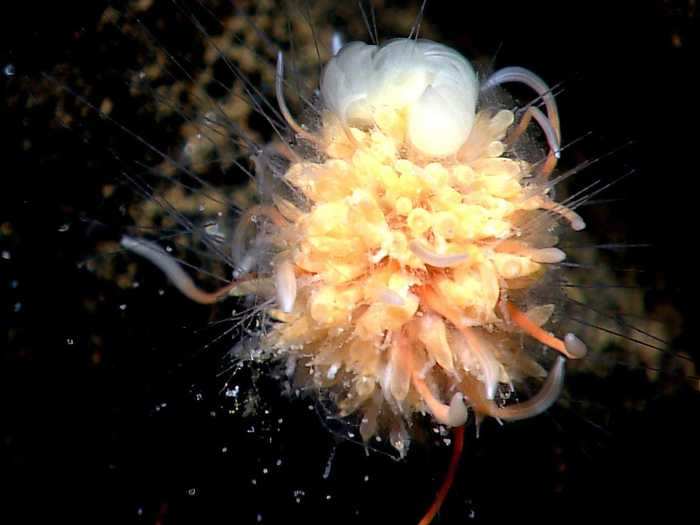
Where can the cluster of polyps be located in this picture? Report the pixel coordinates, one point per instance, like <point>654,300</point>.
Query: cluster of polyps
<point>397,278</point>
<point>402,256</point>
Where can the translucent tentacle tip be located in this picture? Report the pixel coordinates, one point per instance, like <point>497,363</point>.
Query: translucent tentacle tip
<point>575,348</point>
<point>457,414</point>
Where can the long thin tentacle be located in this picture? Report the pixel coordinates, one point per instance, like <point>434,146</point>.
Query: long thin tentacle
<point>457,447</point>
<point>549,123</point>
<point>537,404</point>
<point>550,135</point>
<point>571,346</point>
<point>279,92</point>
<point>169,266</point>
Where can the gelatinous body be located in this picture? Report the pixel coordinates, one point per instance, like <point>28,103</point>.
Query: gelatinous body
<point>398,261</point>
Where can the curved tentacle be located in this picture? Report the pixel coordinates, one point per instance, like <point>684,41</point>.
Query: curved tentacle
<point>539,86</point>
<point>279,93</point>
<point>540,402</point>
<point>549,123</point>
<point>453,415</point>
<point>550,135</point>
<point>572,347</point>
<point>170,267</point>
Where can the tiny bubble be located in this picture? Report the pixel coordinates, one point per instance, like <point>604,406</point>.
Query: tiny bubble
<point>192,492</point>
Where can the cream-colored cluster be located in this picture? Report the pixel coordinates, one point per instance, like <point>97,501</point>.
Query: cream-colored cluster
<point>393,277</point>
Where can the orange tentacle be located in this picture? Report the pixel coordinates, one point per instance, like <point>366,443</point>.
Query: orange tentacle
<point>457,447</point>
<point>544,337</point>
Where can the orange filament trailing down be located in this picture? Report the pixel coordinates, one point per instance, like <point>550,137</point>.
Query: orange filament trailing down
<point>457,447</point>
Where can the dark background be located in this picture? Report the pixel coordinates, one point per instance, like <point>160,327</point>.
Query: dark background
<point>116,416</point>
